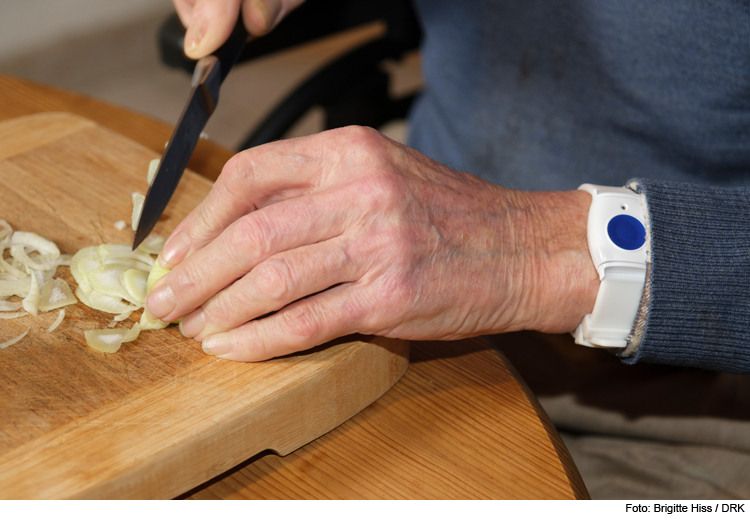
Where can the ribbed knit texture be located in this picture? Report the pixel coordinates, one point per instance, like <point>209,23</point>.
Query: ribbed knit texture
<point>699,309</point>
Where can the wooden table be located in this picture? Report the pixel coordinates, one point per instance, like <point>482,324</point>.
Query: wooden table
<point>461,424</point>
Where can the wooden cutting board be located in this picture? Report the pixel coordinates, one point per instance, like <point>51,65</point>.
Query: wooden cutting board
<point>158,417</point>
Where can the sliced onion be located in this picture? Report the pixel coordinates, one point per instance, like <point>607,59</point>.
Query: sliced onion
<point>35,242</point>
<point>138,200</point>
<point>12,315</point>
<point>18,287</point>
<point>149,322</point>
<point>153,166</point>
<point>157,272</point>
<point>60,317</point>
<point>7,306</point>
<point>14,340</point>
<point>56,294</point>
<point>30,302</point>
<point>109,340</point>
<point>153,244</point>
<point>121,317</point>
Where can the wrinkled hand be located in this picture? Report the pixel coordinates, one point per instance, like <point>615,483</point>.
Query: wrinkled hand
<point>349,232</point>
<point>210,22</point>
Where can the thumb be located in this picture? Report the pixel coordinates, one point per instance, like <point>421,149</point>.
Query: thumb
<point>211,23</point>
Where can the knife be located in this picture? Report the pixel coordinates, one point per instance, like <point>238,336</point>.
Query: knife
<point>209,73</point>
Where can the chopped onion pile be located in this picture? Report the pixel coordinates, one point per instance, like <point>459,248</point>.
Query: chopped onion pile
<point>111,278</point>
<point>29,273</point>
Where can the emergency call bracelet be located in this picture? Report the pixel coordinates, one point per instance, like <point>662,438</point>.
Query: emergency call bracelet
<point>617,243</point>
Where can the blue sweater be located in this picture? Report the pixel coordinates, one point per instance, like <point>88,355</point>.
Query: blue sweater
<point>549,94</point>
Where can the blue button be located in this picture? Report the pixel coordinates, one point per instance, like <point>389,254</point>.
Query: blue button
<point>627,232</point>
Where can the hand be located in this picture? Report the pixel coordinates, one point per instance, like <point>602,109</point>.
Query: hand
<point>210,22</point>
<point>347,231</point>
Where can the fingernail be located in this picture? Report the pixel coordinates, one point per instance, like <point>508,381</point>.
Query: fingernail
<point>175,250</point>
<point>161,302</point>
<point>195,32</point>
<point>193,324</point>
<point>218,344</point>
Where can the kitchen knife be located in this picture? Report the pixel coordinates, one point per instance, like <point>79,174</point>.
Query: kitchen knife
<point>209,73</point>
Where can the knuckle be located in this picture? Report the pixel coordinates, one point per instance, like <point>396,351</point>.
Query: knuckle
<point>186,284</point>
<point>273,280</point>
<point>381,191</point>
<point>302,323</point>
<point>237,174</point>
<point>221,310</point>
<point>252,235</point>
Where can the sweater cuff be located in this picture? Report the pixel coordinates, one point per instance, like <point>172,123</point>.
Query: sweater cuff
<point>639,325</point>
<point>695,310</point>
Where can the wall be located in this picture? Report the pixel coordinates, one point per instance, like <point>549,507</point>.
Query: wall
<point>27,25</point>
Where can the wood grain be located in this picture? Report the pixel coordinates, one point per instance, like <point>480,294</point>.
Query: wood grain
<point>159,416</point>
<point>458,425</point>
<point>21,97</point>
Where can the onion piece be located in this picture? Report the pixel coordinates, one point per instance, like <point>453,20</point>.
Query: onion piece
<point>129,263</point>
<point>14,340</point>
<point>157,272</point>
<point>5,229</point>
<point>18,287</point>
<point>19,253</point>
<point>105,303</point>
<point>60,317</point>
<point>138,200</point>
<point>153,166</point>
<point>153,244</point>
<point>120,225</point>
<point>134,282</point>
<point>81,264</point>
<point>56,294</point>
<point>35,242</point>
<point>7,306</point>
<point>149,322</point>
<point>106,279</point>
<point>30,302</point>
<point>12,315</point>
<point>11,270</point>
<point>109,340</point>
<point>121,317</point>
<point>120,251</point>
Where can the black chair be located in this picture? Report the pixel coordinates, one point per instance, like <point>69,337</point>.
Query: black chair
<point>352,89</point>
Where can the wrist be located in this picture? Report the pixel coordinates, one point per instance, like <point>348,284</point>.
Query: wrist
<point>563,280</point>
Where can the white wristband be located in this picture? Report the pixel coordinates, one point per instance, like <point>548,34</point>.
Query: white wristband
<point>617,243</point>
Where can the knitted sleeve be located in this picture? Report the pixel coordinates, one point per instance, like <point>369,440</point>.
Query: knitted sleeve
<point>695,309</point>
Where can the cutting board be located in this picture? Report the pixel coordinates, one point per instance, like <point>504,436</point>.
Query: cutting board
<point>159,416</point>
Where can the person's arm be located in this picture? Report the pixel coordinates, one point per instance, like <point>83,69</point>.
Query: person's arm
<point>210,22</point>
<point>346,231</point>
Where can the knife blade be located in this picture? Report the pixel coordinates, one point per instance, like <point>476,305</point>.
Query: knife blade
<point>209,73</point>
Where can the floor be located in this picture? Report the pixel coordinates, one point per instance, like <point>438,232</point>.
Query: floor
<point>122,66</point>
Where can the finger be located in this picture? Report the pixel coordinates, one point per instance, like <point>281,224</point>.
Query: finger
<point>242,246</point>
<point>211,22</point>
<point>306,323</point>
<point>247,182</point>
<point>261,16</point>
<point>273,284</point>
<point>184,10</point>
